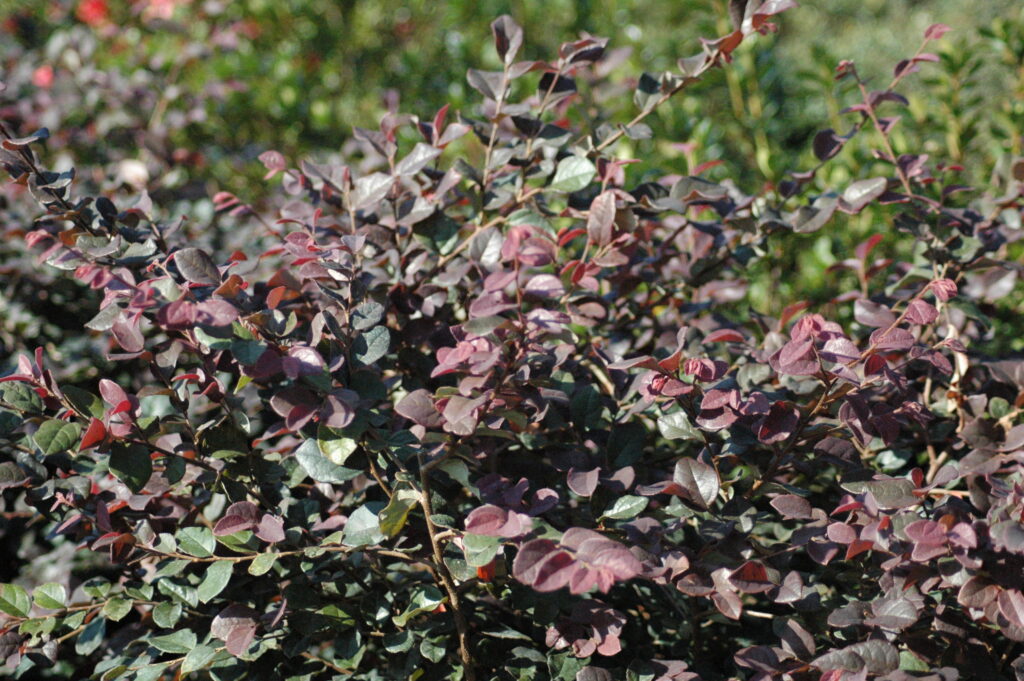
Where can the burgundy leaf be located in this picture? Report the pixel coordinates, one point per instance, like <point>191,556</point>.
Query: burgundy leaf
<point>944,289</point>
<point>270,529</point>
<point>1011,604</point>
<point>921,312</point>
<point>698,481</point>
<point>796,358</point>
<point>583,483</point>
<point>873,314</point>
<point>601,218</point>
<point>418,407</point>
<point>792,506</point>
<point>508,38</point>
<point>827,144</point>
<point>126,333</point>
<point>196,266</point>
<point>892,339</point>
<point>239,516</point>
<point>779,424</point>
<point>494,521</point>
<point>236,626</point>
<point>542,564</point>
<point>215,312</point>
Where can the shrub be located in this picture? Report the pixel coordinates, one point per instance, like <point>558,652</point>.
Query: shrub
<point>512,415</point>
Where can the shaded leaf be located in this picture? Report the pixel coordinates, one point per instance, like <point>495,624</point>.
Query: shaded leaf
<point>197,267</point>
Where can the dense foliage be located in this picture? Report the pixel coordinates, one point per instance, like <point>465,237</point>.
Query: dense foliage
<point>480,396</point>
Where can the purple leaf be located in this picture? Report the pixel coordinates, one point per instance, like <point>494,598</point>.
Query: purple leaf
<point>792,506</point>
<point>827,144</point>
<point>601,218</point>
<point>779,424</point>
<point>892,339</point>
<point>215,312</point>
<point>197,267</point>
<point>1011,604</point>
<point>944,289</point>
<point>126,333</point>
<point>542,564</point>
<point>545,285</point>
<point>583,483</point>
<point>236,626</point>
<point>698,481</point>
<point>873,314</point>
<point>508,38</point>
<point>418,158</point>
<point>286,400</point>
<point>271,529</point>
<point>241,515</point>
<point>494,521</point>
<point>418,407</point>
<point>796,358</point>
<point>273,161</point>
<point>921,312</point>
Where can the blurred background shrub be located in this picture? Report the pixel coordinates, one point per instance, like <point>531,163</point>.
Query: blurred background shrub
<point>185,94</point>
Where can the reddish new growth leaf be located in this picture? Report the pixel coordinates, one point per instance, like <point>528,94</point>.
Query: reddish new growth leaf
<point>584,559</point>
<point>493,521</point>
<point>944,289</point>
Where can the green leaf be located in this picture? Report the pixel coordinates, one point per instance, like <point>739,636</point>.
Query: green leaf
<point>151,672</point>
<point>179,642</point>
<point>217,577</point>
<point>56,436</point>
<point>479,549</point>
<point>247,352</point>
<point>38,626</point>
<point>627,507</point>
<point>318,467</point>
<point>398,641</point>
<point>367,315</point>
<point>196,541</point>
<point>262,563</point>
<point>83,401</point>
<point>573,174</point>
<point>394,515</point>
<point>677,426</point>
<point>51,596</point>
<point>116,608</point>
<point>198,658</point>
<point>97,587</point>
<point>183,593</point>
<point>334,445</point>
<point>167,614</point>
<point>424,599</point>
<point>131,464</point>
<point>21,396</point>
<point>11,474</point>
<point>9,421</point>
<point>91,637</point>
<point>371,345</point>
<point>14,600</point>
<point>362,528</point>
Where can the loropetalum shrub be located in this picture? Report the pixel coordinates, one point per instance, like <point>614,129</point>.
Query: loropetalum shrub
<point>512,418</point>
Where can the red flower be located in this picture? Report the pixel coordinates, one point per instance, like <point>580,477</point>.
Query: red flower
<point>93,12</point>
<point>43,76</point>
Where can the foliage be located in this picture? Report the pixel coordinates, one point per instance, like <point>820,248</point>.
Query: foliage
<point>492,403</point>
